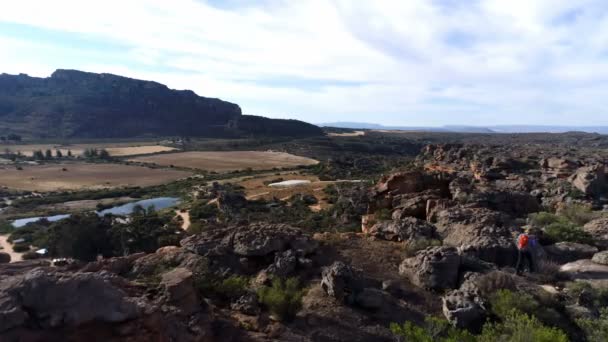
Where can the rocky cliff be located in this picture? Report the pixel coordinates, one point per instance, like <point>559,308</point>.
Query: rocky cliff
<point>76,104</point>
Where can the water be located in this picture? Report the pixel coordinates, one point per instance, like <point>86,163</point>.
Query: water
<point>125,209</point>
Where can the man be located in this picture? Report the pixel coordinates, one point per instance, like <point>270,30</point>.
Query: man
<point>524,251</point>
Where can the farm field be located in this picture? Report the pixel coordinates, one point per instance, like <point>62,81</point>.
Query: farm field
<point>223,161</point>
<point>77,176</point>
<point>115,149</point>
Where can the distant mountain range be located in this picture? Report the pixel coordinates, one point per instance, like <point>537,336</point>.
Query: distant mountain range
<point>473,129</point>
<point>76,104</point>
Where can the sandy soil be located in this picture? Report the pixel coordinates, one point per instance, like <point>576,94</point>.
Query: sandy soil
<point>115,149</point>
<point>228,160</point>
<point>79,176</point>
<point>351,134</point>
<point>185,215</point>
<point>8,248</point>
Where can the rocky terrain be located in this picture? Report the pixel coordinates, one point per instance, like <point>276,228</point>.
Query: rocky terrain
<point>76,104</point>
<point>436,239</point>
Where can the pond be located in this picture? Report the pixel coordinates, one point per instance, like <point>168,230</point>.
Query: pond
<point>125,209</point>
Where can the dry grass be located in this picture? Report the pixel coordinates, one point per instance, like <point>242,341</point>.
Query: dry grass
<point>228,160</point>
<point>81,176</point>
<point>350,134</point>
<point>115,149</point>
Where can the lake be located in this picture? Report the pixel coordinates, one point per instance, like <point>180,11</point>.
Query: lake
<point>125,209</point>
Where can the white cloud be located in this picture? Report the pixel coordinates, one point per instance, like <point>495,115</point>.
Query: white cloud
<point>412,62</point>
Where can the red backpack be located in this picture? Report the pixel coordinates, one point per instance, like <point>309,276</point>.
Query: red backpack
<point>522,241</point>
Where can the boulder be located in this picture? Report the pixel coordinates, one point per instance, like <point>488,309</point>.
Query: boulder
<point>284,264</point>
<point>587,271</point>
<point>591,180</point>
<point>598,229</point>
<point>247,304</point>
<point>434,268</point>
<point>564,252</point>
<point>179,289</point>
<point>5,258</point>
<point>413,204</point>
<point>403,229</point>
<point>464,309</point>
<point>600,258</point>
<point>55,299</point>
<point>341,282</point>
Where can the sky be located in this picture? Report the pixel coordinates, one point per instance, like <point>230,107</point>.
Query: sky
<point>408,63</point>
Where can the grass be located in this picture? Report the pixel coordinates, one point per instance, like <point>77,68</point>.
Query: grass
<point>283,298</point>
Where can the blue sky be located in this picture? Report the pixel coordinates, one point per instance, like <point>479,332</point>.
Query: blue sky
<point>415,62</point>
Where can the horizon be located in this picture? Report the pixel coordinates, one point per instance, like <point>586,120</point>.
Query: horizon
<point>450,63</point>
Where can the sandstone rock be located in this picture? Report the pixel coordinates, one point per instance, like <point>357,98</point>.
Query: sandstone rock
<point>55,299</point>
<point>403,229</point>
<point>5,258</point>
<point>119,265</point>
<point>600,258</point>
<point>341,282</point>
<point>179,288</point>
<point>464,309</point>
<point>284,264</point>
<point>586,270</point>
<point>564,252</point>
<point>176,257</point>
<point>413,204</point>
<point>591,180</point>
<point>434,268</point>
<point>598,229</point>
<point>247,304</point>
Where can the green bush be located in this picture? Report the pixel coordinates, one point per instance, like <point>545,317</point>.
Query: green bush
<point>560,231</point>
<point>434,330</point>
<point>596,330</point>
<point>544,219</point>
<point>518,327</point>
<point>413,246</point>
<point>598,296</point>
<point>211,285</point>
<point>6,227</point>
<point>30,256</point>
<point>383,214</point>
<point>504,302</point>
<point>578,214</point>
<point>21,247</point>
<point>283,298</point>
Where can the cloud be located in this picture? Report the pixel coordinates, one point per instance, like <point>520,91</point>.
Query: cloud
<point>415,62</point>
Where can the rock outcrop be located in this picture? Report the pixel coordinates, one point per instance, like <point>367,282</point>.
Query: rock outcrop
<point>403,229</point>
<point>434,268</point>
<point>591,180</point>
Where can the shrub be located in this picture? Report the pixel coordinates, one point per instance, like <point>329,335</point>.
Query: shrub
<point>211,285</point>
<point>596,330</point>
<point>283,298</point>
<point>504,302</point>
<point>383,214</point>
<point>21,247</point>
<point>578,214</point>
<point>598,296</point>
<point>5,227</point>
<point>493,281</point>
<point>30,256</point>
<point>560,231</point>
<point>434,330</point>
<point>544,219</point>
<point>518,327</point>
<point>413,246</point>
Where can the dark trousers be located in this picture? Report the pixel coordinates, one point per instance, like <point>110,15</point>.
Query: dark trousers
<point>523,257</point>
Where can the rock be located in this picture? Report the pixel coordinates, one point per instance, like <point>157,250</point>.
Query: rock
<point>600,258</point>
<point>119,265</point>
<point>371,299</point>
<point>341,282</point>
<point>434,268</point>
<point>478,232</point>
<point>598,229</point>
<point>284,264</point>
<point>403,229</point>
<point>55,299</point>
<point>564,252</point>
<point>176,257</point>
<point>591,180</point>
<point>5,258</point>
<point>179,288</point>
<point>413,204</point>
<point>247,304</point>
<point>464,309</point>
<point>587,271</point>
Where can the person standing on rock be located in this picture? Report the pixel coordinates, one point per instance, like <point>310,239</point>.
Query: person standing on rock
<point>524,251</point>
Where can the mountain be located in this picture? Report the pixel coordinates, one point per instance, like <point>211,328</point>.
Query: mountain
<point>362,125</point>
<point>475,129</point>
<point>76,104</point>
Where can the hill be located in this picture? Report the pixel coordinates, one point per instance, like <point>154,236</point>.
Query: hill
<point>76,104</point>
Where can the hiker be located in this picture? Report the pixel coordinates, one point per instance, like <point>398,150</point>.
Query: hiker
<point>525,244</point>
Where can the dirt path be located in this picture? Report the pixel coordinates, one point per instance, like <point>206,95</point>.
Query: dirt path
<point>8,248</point>
<point>185,215</point>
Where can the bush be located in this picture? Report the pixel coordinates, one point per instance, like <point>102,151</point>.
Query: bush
<point>559,231</point>
<point>30,256</point>
<point>413,246</point>
<point>283,298</point>
<point>210,285</point>
<point>6,227</point>
<point>521,328</point>
<point>505,302</point>
<point>578,214</point>
<point>21,247</point>
<point>434,330</point>
<point>596,330</point>
<point>383,215</point>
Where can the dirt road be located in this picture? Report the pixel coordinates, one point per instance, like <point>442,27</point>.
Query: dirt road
<point>8,248</point>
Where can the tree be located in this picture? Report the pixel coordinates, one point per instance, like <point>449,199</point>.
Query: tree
<point>70,153</point>
<point>81,237</point>
<point>104,154</point>
<point>58,154</point>
<point>38,155</point>
<point>48,154</point>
